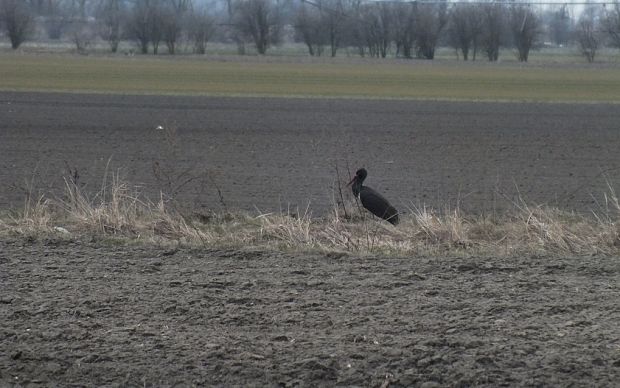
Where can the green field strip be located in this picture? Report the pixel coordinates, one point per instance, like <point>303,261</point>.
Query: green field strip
<point>406,80</point>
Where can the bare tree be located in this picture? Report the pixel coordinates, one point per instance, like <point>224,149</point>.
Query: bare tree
<point>181,5</point>
<point>611,25</point>
<point>525,27</point>
<point>18,20</point>
<point>82,35</point>
<point>55,17</point>
<point>404,29</point>
<point>375,25</point>
<point>77,8</point>
<point>139,24</point>
<point>384,28</point>
<point>587,33</point>
<point>259,21</point>
<point>171,27</point>
<point>110,14</point>
<point>325,22</point>
<point>38,7</point>
<point>493,20</point>
<point>460,29</point>
<point>200,28</point>
<point>430,20</point>
<point>81,30</point>
<point>145,24</point>
<point>334,15</point>
<point>310,30</point>
<point>230,30</point>
<point>476,22</point>
<point>156,22</point>
<point>173,17</point>
<point>560,26</point>
<point>369,29</point>
<point>465,29</point>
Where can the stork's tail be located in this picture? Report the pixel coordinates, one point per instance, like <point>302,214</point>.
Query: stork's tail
<point>391,216</point>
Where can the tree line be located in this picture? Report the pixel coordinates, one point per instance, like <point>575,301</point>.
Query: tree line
<point>375,29</point>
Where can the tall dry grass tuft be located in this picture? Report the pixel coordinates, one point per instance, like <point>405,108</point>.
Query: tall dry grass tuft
<point>116,210</point>
<point>289,231</point>
<point>449,229</point>
<point>119,210</point>
<point>35,218</point>
<point>554,230</point>
<point>165,224</point>
<point>36,215</point>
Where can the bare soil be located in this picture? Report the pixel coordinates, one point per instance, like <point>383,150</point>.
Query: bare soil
<point>273,154</point>
<point>75,313</point>
<point>82,314</point>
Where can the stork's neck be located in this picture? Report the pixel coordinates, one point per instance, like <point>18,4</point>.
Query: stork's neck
<point>357,187</point>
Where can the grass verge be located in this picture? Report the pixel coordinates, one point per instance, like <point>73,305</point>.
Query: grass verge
<point>238,77</point>
<point>118,212</point>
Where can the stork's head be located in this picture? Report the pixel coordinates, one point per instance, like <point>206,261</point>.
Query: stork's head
<point>359,177</point>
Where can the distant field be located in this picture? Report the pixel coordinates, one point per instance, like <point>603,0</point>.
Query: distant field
<point>294,77</point>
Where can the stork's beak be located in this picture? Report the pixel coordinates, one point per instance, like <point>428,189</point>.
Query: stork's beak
<point>352,180</point>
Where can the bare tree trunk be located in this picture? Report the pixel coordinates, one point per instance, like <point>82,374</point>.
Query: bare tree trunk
<point>525,28</point>
<point>258,20</point>
<point>18,20</point>
<point>333,41</point>
<point>611,25</point>
<point>109,14</point>
<point>588,35</point>
<point>430,20</point>
<point>493,29</point>
<point>200,28</point>
<point>474,48</point>
<point>308,26</point>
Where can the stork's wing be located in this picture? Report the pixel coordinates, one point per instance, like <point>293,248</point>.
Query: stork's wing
<point>378,205</point>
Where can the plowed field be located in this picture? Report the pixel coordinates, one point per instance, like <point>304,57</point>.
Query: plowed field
<point>79,314</point>
<point>75,313</point>
<point>272,154</point>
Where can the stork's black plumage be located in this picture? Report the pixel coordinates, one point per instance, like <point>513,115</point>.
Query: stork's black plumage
<point>371,200</point>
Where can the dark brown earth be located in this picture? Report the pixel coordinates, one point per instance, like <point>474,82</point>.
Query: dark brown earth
<point>273,153</point>
<point>76,314</point>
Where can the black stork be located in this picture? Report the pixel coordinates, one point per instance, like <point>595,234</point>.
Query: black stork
<point>371,200</point>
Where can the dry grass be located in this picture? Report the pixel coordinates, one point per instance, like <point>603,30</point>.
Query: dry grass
<point>118,211</point>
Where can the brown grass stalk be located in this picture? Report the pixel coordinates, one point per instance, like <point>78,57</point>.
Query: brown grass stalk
<point>119,211</point>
